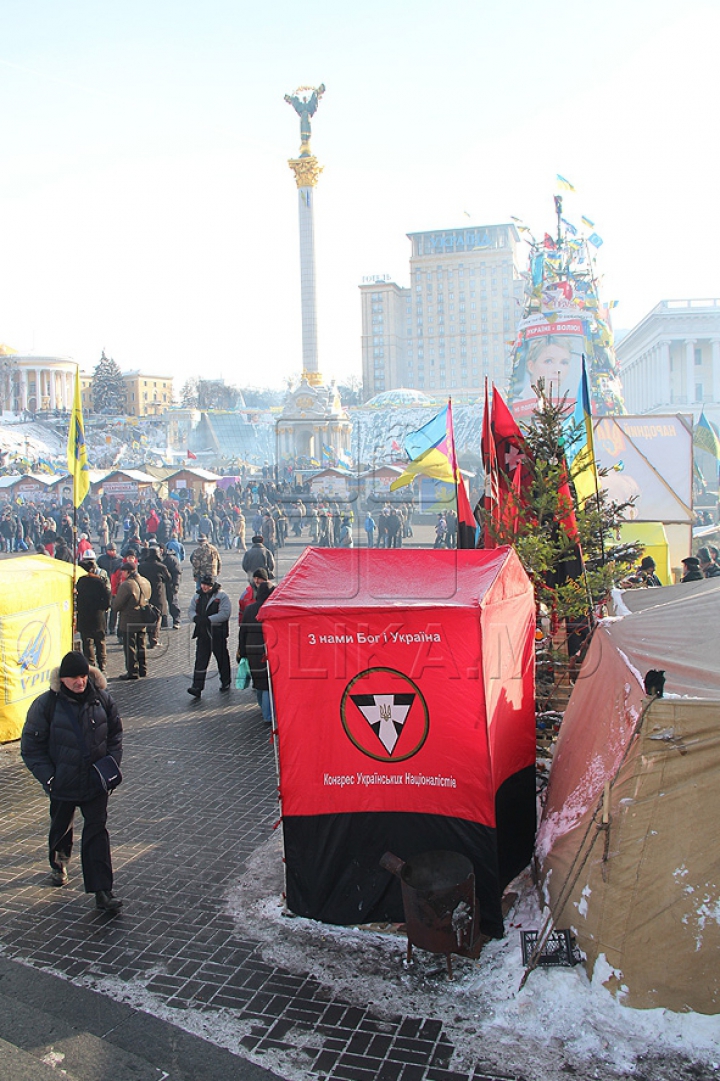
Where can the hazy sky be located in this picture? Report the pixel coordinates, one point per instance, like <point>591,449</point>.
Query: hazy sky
<point>146,206</point>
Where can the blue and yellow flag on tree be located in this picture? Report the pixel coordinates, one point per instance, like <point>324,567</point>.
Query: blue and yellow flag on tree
<point>580,447</point>
<point>704,437</point>
<point>429,452</point>
<point>78,467</point>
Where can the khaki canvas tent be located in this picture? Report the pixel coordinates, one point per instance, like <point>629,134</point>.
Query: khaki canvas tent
<point>646,890</point>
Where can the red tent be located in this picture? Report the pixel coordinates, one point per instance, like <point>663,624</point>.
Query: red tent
<point>404,692</point>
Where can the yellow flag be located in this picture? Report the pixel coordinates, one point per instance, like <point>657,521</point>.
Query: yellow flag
<point>77,448</point>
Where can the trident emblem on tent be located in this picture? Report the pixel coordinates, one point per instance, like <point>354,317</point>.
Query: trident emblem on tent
<point>386,715</point>
<point>389,721</point>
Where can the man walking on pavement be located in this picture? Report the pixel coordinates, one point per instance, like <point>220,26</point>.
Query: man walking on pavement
<point>205,559</point>
<point>110,562</point>
<point>173,586</point>
<point>132,594</point>
<point>68,728</point>
<point>151,566</point>
<point>258,556</point>
<point>93,601</point>
<point>210,611</point>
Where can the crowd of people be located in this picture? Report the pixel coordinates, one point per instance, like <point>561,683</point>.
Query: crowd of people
<point>706,564</point>
<point>133,569</point>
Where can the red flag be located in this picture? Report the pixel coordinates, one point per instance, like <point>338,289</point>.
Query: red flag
<point>566,507</point>
<point>467,526</point>
<point>491,501</point>
<point>191,455</point>
<point>514,476</point>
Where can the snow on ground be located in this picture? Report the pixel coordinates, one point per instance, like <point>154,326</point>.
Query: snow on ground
<point>32,440</point>
<point>560,1025</point>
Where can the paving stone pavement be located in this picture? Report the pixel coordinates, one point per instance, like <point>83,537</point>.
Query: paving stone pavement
<point>199,798</point>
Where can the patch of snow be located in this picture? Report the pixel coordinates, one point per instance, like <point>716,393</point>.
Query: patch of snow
<point>582,905</point>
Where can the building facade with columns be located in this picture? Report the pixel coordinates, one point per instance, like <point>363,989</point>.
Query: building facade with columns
<point>670,361</point>
<point>39,384</point>
<point>47,385</point>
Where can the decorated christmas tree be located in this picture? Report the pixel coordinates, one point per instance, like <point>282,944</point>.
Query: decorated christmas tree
<point>563,319</point>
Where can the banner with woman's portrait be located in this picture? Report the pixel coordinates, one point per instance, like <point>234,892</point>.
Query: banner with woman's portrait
<point>549,347</point>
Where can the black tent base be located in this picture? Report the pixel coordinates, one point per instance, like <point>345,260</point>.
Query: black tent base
<point>334,873</point>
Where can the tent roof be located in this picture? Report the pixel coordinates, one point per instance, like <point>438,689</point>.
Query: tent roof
<point>43,479</point>
<point>331,471</point>
<point>196,471</point>
<point>326,578</point>
<point>673,628</point>
<point>134,474</point>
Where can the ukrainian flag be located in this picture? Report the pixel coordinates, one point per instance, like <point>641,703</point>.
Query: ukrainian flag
<point>78,467</point>
<point>704,437</point>
<point>564,184</point>
<point>429,451</point>
<point>580,447</point>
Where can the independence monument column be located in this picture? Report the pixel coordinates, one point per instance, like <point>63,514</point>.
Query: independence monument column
<point>305,101</point>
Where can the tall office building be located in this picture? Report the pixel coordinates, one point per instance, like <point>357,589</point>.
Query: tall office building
<point>455,324</point>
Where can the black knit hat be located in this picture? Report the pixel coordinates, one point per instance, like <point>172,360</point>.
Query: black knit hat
<point>72,665</point>
<point>261,573</point>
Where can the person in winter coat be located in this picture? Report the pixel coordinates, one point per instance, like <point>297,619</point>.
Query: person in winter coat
<point>110,562</point>
<point>151,523</point>
<point>151,566</point>
<point>174,545</point>
<point>82,546</point>
<point>691,569</point>
<point>258,556</point>
<point>370,529</point>
<point>172,588</point>
<point>345,537</point>
<point>205,559</point>
<point>62,551</point>
<point>251,645</point>
<point>210,610</point>
<point>268,531</point>
<point>240,531</point>
<point>93,600</point>
<point>76,708</point>
<point>133,592</point>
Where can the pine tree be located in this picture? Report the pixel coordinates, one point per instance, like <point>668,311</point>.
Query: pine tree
<point>210,394</point>
<point>108,387</point>
<point>541,539</point>
<point>8,368</point>
<point>189,393</point>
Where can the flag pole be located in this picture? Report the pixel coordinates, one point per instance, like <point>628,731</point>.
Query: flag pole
<point>78,468</point>
<point>73,423</point>
<point>455,470</point>
<point>591,447</point>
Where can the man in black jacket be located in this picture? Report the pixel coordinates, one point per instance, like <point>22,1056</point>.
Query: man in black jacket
<point>110,562</point>
<point>258,556</point>
<point>68,728</point>
<point>172,588</point>
<point>151,566</point>
<point>93,601</point>
<point>210,611</point>
<point>251,645</point>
